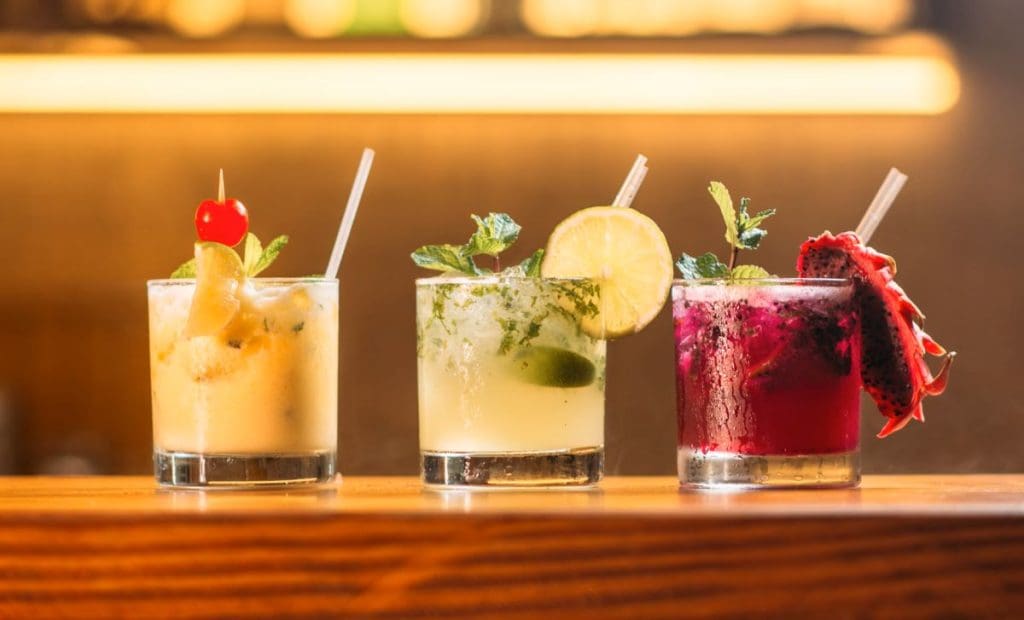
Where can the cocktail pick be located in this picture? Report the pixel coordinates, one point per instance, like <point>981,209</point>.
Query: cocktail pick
<point>220,188</point>
<point>362,174</point>
<point>632,183</point>
<point>886,195</point>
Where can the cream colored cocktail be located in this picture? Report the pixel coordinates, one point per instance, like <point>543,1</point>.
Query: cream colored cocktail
<point>263,386</point>
<point>266,384</point>
<point>244,370</point>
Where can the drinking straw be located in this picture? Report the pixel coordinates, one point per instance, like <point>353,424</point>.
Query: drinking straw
<point>886,195</point>
<point>345,229</point>
<point>632,183</point>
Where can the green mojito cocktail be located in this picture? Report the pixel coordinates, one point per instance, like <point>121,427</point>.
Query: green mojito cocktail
<point>512,362</point>
<point>506,373</point>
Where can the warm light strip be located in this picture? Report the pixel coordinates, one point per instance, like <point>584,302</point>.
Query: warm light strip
<point>480,83</point>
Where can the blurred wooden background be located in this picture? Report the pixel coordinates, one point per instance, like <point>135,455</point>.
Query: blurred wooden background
<point>92,206</point>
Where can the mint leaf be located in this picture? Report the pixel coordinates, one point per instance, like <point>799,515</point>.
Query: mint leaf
<point>445,258</point>
<point>253,251</point>
<point>721,195</point>
<point>704,266</point>
<point>185,270</point>
<point>750,235</point>
<point>751,239</point>
<point>256,257</point>
<point>742,233</point>
<point>268,255</point>
<point>494,234</point>
<point>531,266</point>
<point>760,217</point>
<point>748,272</point>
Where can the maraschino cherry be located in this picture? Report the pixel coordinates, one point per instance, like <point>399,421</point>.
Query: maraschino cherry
<point>224,220</point>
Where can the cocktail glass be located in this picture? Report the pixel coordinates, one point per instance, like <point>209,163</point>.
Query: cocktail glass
<point>256,404</point>
<point>511,389</point>
<point>768,383</point>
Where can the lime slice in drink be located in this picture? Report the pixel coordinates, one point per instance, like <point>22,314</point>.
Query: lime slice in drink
<point>554,367</point>
<point>219,274</point>
<point>625,253</point>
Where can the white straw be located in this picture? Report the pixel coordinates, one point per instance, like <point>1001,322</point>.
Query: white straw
<point>345,229</point>
<point>632,183</point>
<point>886,195</point>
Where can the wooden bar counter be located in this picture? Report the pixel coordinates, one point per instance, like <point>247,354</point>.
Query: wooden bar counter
<point>901,546</point>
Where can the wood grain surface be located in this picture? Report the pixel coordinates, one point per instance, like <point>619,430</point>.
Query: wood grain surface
<point>908,546</point>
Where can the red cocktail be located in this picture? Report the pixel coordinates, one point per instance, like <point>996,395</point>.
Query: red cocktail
<point>768,382</point>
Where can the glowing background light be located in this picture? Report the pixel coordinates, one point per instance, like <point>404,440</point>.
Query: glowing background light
<point>460,18</point>
<point>103,11</point>
<point>753,16</point>
<point>568,18</point>
<point>875,16</point>
<point>577,18</point>
<point>376,18</point>
<point>319,19</point>
<point>441,18</point>
<point>480,83</point>
<point>202,18</point>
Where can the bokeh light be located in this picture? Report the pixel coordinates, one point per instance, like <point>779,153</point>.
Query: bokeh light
<point>201,19</point>
<point>319,19</point>
<point>105,11</point>
<point>442,18</point>
<point>568,18</point>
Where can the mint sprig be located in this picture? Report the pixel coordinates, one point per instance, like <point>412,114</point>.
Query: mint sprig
<point>446,258</point>
<point>703,266</point>
<point>722,198</point>
<point>531,266</point>
<point>742,232</point>
<point>747,225</point>
<point>256,257</point>
<point>741,228</point>
<point>748,272</point>
<point>185,270</point>
<point>253,249</point>
<point>265,256</point>
<point>494,234</point>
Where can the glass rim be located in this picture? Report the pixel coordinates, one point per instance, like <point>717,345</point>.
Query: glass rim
<point>491,279</point>
<point>770,281</point>
<point>192,281</point>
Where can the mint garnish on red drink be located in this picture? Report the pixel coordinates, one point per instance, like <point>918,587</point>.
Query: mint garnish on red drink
<point>742,232</point>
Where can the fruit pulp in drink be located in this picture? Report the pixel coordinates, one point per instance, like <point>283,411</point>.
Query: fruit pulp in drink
<point>504,367</point>
<point>767,369</point>
<point>264,385</point>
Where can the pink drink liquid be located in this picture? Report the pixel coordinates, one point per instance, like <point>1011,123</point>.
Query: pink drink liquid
<point>767,369</point>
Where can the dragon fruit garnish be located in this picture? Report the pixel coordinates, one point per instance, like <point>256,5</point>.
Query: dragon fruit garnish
<point>893,367</point>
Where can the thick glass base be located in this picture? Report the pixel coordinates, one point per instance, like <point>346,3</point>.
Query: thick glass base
<point>729,470</point>
<point>188,469</point>
<point>579,467</point>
